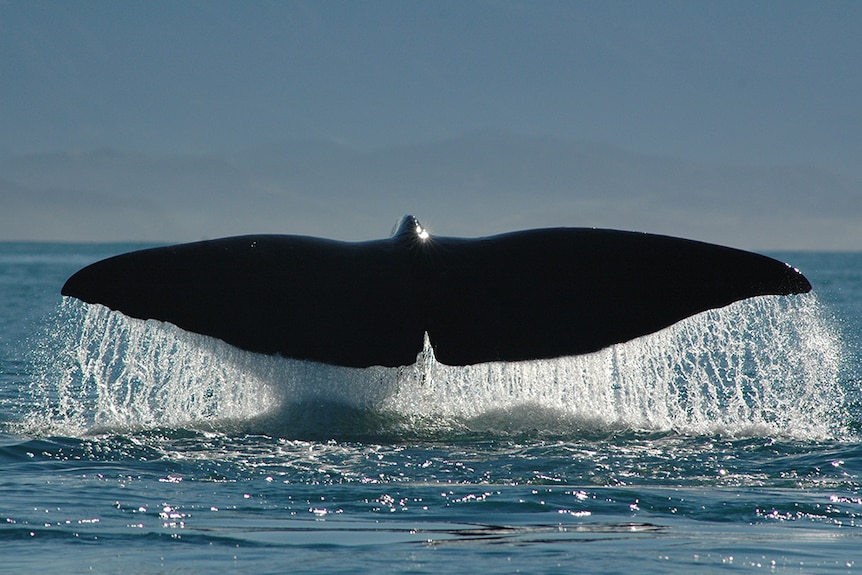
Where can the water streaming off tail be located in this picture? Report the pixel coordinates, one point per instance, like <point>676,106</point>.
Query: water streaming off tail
<point>765,365</point>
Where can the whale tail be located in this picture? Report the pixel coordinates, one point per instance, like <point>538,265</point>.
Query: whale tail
<point>532,294</point>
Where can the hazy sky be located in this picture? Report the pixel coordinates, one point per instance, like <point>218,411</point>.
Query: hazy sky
<point>750,84</point>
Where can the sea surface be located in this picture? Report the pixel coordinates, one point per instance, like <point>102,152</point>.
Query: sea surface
<point>730,442</point>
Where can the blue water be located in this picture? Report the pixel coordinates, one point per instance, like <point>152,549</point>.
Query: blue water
<point>729,442</point>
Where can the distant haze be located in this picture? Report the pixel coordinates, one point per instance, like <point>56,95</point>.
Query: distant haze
<point>733,122</point>
<point>479,184</point>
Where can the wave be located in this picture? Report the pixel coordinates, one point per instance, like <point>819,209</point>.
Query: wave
<point>764,366</point>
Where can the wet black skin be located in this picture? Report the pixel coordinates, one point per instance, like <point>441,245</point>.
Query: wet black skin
<point>533,294</point>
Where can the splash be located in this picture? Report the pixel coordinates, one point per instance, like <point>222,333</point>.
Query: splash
<point>767,365</point>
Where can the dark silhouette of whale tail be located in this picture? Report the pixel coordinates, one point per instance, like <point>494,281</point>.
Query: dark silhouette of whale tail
<point>533,294</point>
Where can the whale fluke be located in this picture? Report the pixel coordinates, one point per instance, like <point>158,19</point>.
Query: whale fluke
<point>534,294</point>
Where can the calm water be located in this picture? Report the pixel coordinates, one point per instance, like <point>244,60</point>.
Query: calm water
<point>730,442</point>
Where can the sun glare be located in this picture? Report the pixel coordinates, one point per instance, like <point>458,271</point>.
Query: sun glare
<point>421,232</point>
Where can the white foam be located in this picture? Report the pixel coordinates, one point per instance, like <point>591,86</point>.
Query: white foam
<point>765,365</point>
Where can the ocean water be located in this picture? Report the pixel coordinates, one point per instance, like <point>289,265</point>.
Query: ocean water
<point>730,442</point>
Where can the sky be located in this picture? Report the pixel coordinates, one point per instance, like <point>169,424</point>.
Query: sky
<point>731,121</point>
